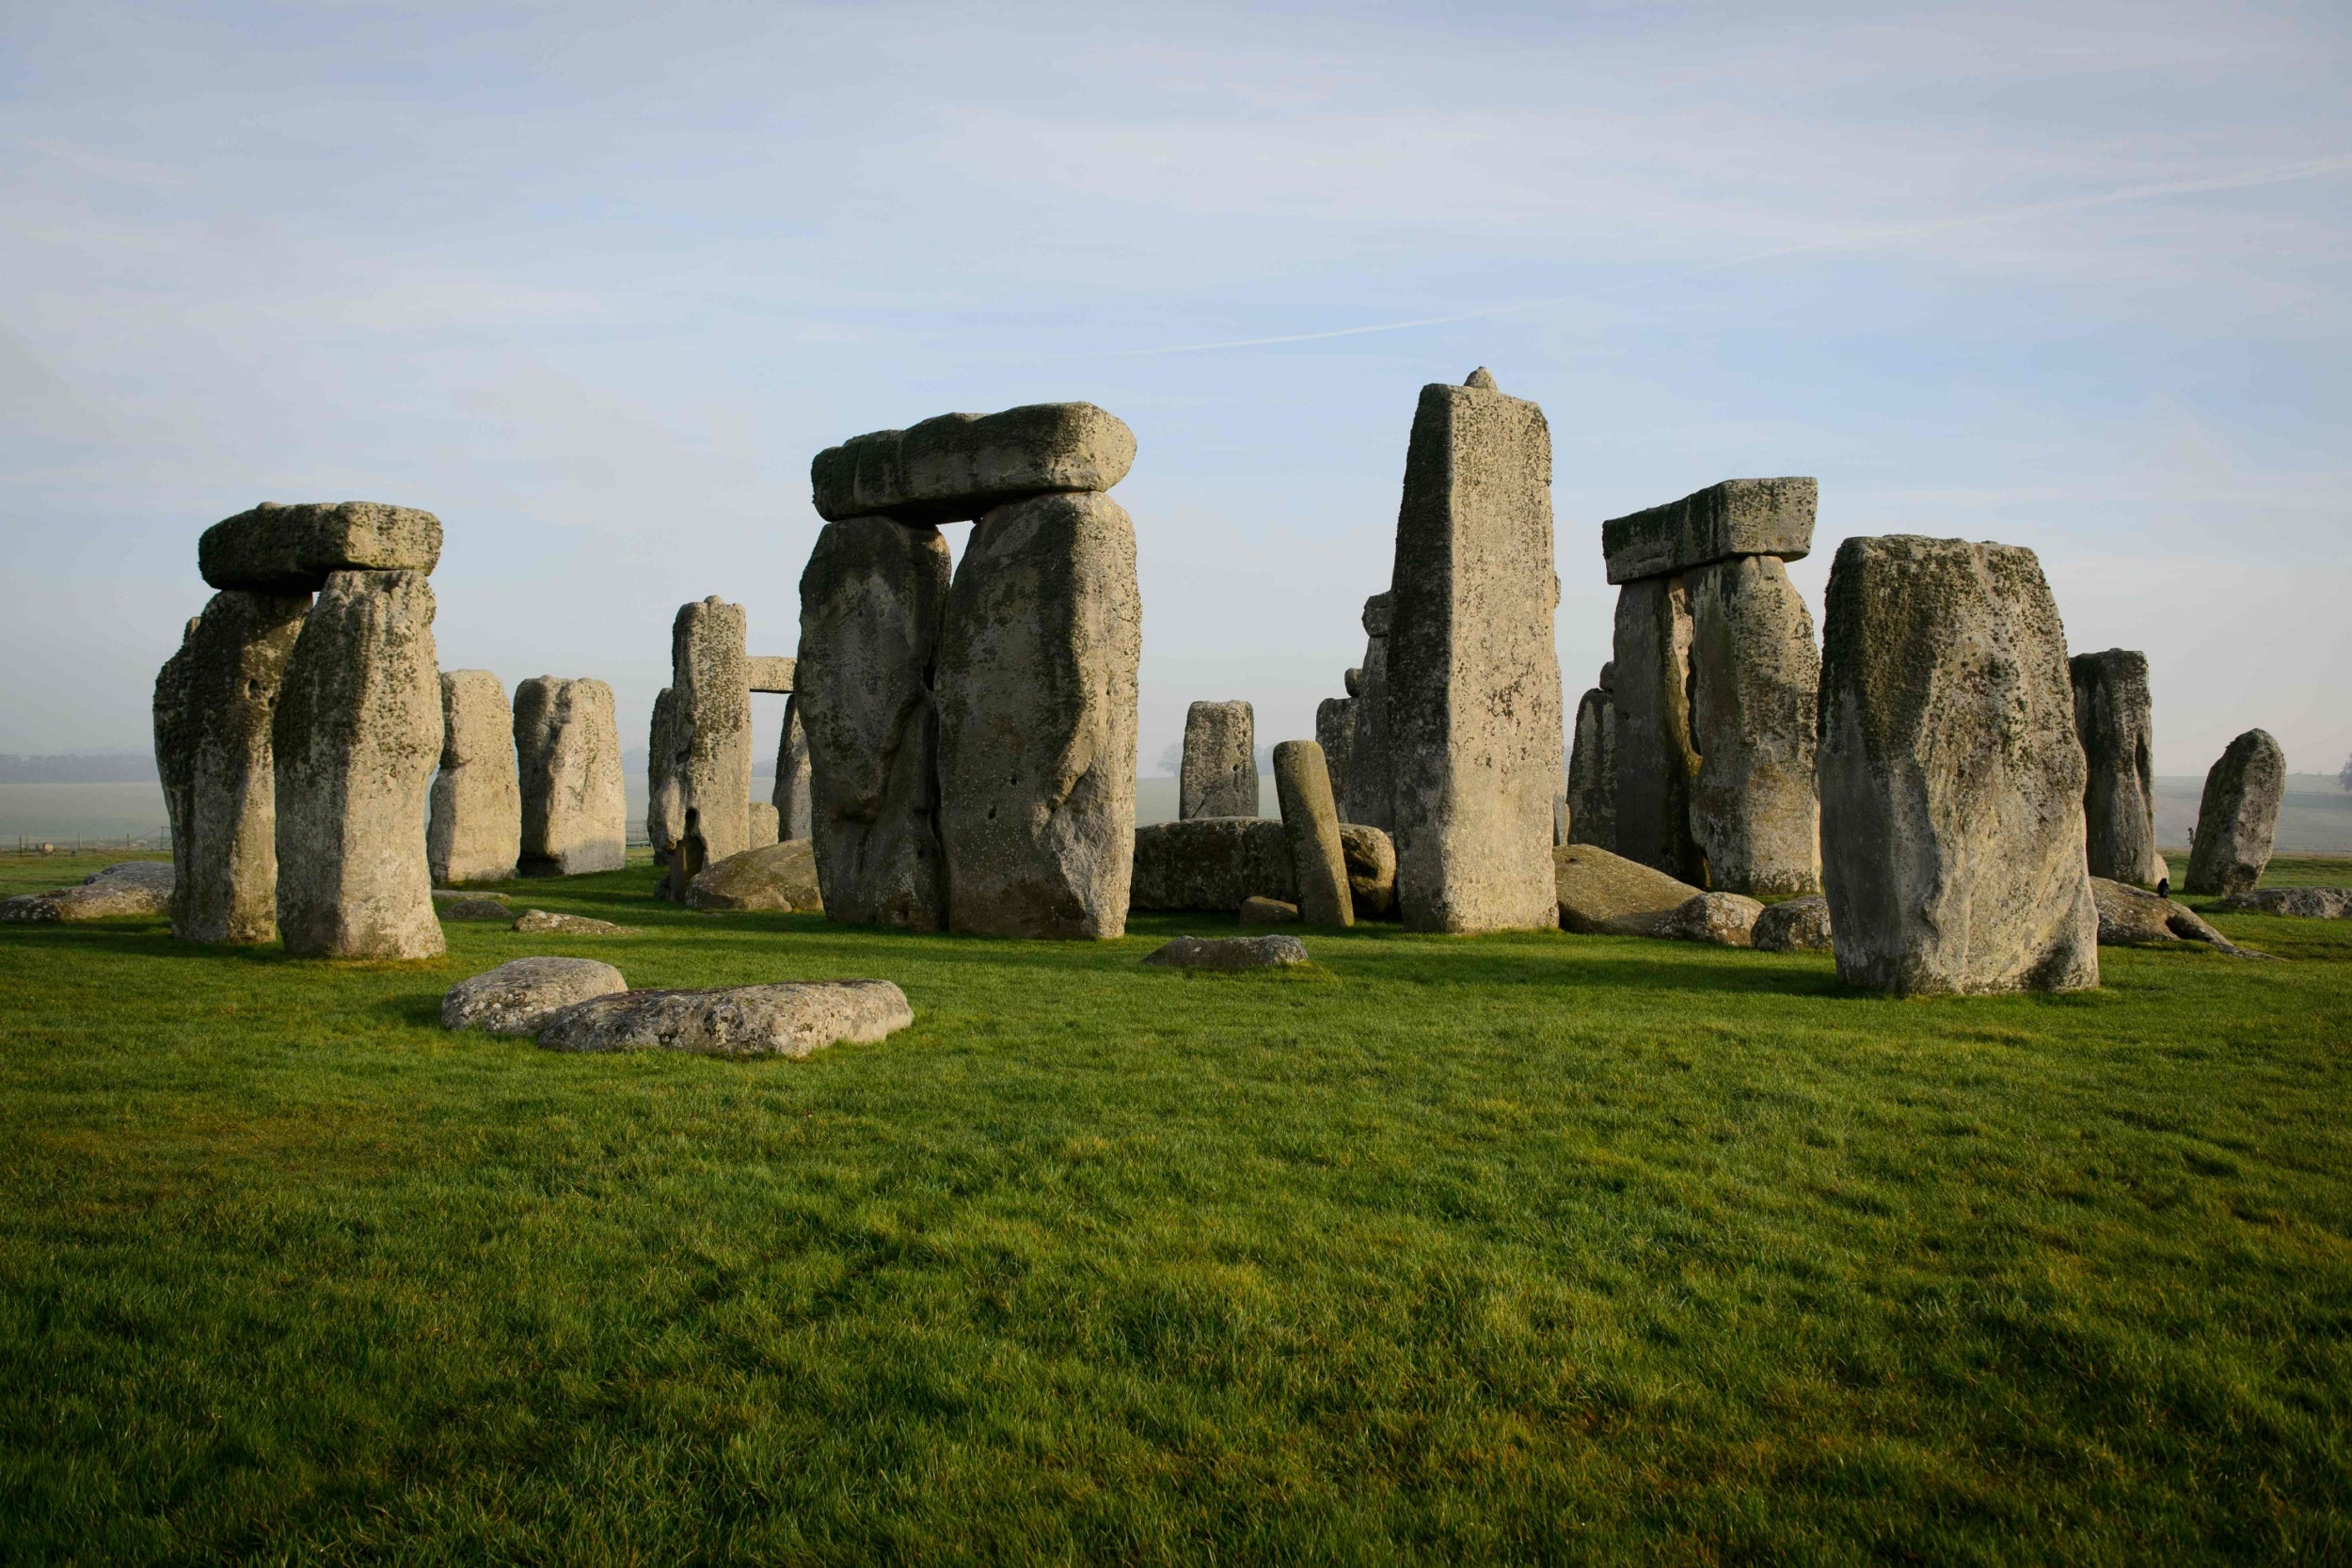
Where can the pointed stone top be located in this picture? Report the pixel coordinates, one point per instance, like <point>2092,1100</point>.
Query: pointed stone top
<point>1481,378</point>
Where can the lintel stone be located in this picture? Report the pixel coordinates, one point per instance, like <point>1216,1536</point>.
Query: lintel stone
<point>1739,517</point>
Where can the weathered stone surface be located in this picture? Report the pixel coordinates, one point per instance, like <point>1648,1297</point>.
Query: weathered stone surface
<point>1335,731</point>
<point>771,673</point>
<point>1354,681</point>
<point>663,811</point>
<point>2238,816</point>
<point>793,1019</point>
<point>472,907</point>
<point>710,735</point>
<point>1218,776</point>
<point>2304,903</point>
<point>1593,771</point>
<point>1720,919</point>
<point>476,831</point>
<point>778,878</point>
<point>1754,684</point>
<point>1037,721</point>
<point>1370,856</point>
<point>1601,894</point>
<point>1311,825</point>
<point>2133,917</point>
<point>568,744</point>
<point>960,467</point>
<point>1371,797</point>
<point>1739,517</point>
<point>1657,760</point>
<point>2114,718</point>
<point>1951,780</point>
<point>1473,683</point>
<point>518,998</point>
<point>130,888</point>
<point>215,699</point>
<point>765,825</point>
<point>1229,952</point>
<point>550,922</point>
<point>444,895</point>
<point>292,549</point>
<point>1258,910</point>
<point>873,599</point>
<point>1796,926</point>
<point>791,793</point>
<point>355,740</point>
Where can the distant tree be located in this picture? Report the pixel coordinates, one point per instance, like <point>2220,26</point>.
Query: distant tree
<point>1173,760</point>
<point>2344,774</point>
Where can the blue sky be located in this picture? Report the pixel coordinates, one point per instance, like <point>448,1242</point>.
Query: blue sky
<point>594,283</point>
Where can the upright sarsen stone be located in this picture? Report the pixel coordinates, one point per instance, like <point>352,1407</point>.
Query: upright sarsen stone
<point>214,703</point>
<point>2237,816</point>
<point>356,738</point>
<point>1220,773</point>
<point>1754,684</point>
<point>2115,722</point>
<point>568,744</point>
<point>1310,827</point>
<point>711,737</point>
<point>791,793</point>
<point>1370,798</point>
<point>1951,782</point>
<point>1593,767</point>
<point>1335,730</point>
<point>872,600</point>
<point>663,812</point>
<point>1037,721</point>
<point>1474,698</point>
<point>1657,760</point>
<point>476,831</point>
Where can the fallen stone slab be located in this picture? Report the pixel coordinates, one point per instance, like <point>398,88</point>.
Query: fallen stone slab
<point>1229,952</point>
<point>1794,925</point>
<point>475,908</point>
<point>452,894</point>
<point>549,922</point>
<point>2134,917</point>
<point>2303,903</point>
<point>1739,517</point>
<point>1268,911</point>
<point>1211,863</point>
<point>292,549</point>
<point>794,1019</point>
<point>1602,894</point>
<point>1719,919</point>
<point>130,888</point>
<point>518,998</point>
<point>777,879</point>
<point>956,466</point>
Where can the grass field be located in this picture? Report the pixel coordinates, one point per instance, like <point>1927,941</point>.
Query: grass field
<point>1543,1248</point>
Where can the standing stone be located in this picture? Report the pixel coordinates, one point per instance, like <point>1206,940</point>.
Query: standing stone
<point>662,811</point>
<point>790,795</point>
<point>1657,762</point>
<point>214,700</point>
<point>1335,729</point>
<point>1370,798</point>
<point>1755,687</point>
<point>1473,683</point>
<point>711,735</point>
<point>2115,722</point>
<point>568,745</point>
<point>1951,780</point>
<point>1219,775</point>
<point>476,832</point>
<point>764,828</point>
<point>2237,816</point>
<point>1311,823</point>
<point>356,738</point>
<point>1593,767</point>
<point>1037,721</point>
<point>872,600</point>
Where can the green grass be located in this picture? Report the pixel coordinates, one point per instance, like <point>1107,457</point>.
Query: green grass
<point>1540,1248</point>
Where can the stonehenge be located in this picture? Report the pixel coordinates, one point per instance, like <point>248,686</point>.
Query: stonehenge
<point>1473,704</point>
<point>790,795</point>
<point>873,598</point>
<point>2237,816</point>
<point>1335,729</point>
<point>1368,800</point>
<point>475,832</point>
<point>959,468</point>
<point>1310,826</point>
<point>567,748</point>
<point>1592,788</point>
<point>354,742</point>
<point>661,787</point>
<point>709,738</point>
<point>2113,720</point>
<point>1951,780</point>
<point>1713,687</point>
<point>1218,776</point>
<point>216,701</point>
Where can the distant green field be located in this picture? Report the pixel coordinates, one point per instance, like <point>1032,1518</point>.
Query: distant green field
<point>1536,1248</point>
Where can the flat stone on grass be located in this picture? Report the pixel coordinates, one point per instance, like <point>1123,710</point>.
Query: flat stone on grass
<point>549,922</point>
<point>518,998</point>
<point>794,1019</point>
<point>1229,952</point>
<point>476,907</point>
<point>2307,903</point>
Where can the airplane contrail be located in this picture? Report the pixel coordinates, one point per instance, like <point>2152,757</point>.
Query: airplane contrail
<point>2309,169</point>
